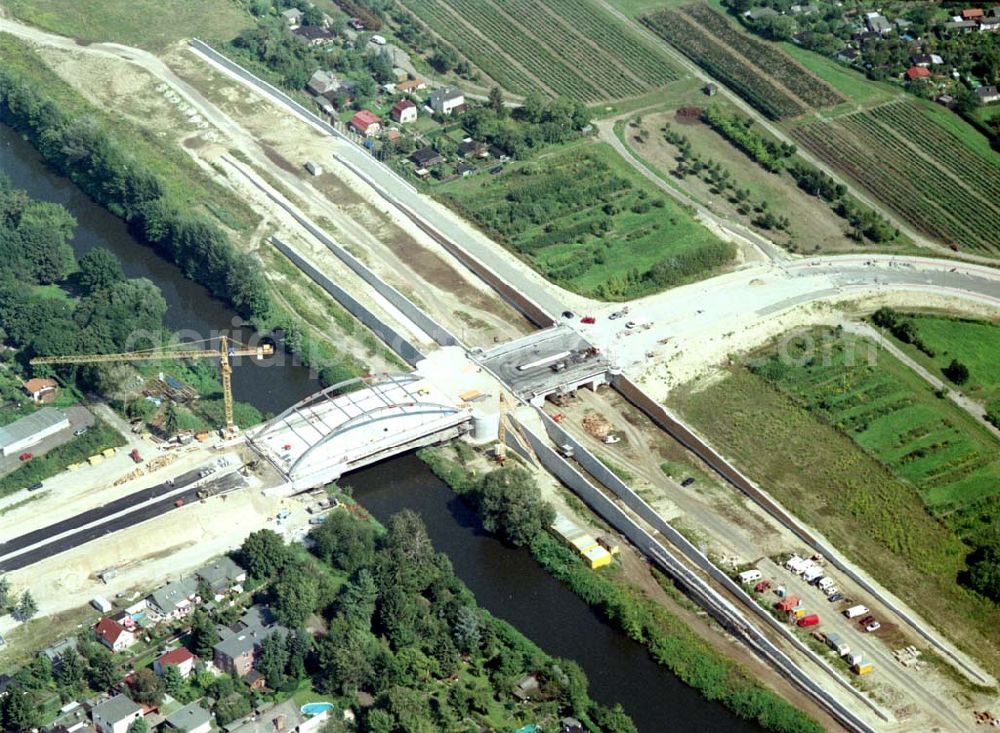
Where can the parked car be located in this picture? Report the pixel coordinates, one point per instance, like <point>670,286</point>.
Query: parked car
<point>836,597</point>
<point>26,456</point>
<point>568,314</point>
<point>35,486</point>
<point>866,620</point>
<point>589,320</point>
<point>687,482</point>
<point>630,324</point>
<point>80,431</point>
<point>179,503</point>
<point>873,626</point>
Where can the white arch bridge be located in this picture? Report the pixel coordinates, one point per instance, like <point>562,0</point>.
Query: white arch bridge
<point>355,423</point>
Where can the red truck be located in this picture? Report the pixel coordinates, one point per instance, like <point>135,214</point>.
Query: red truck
<point>134,455</point>
<point>810,620</point>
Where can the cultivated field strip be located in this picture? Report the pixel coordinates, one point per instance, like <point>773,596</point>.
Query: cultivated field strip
<point>485,54</point>
<point>906,120</point>
<point>718,60</point>
<point>566,48</point>
<point>769,58</point>
<point>917,168</point>
<point>760,72</point>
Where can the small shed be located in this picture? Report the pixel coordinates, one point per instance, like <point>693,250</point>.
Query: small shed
<point>313,167</point>
<point>101,603</point>
<point>711,89</point>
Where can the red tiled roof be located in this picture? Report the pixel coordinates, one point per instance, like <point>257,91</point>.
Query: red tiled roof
<point>917,72</point>
<point>38,384</point>
<point>971,13</point>
<point>402,104</point>
<point>175,656</point>
<point>109,630</point>
<point>363,119</point>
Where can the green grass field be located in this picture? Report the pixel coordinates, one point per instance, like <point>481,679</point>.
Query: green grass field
<point>588,222</point>
<point>150,24</point>
<point>874,460</point>
<point>974,343</point>
<point>852,84</point>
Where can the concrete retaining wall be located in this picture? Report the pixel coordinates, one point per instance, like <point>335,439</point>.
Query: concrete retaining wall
<point>531,310</point>
<point>722,610</point>
<point>683,435</point>
<point>407,351</point>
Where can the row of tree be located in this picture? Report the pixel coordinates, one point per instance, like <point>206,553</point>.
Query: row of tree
<point>82,149</point>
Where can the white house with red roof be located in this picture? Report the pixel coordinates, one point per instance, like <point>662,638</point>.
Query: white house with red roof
<point>113,635</point>
<point>180,658</point>
<point>367,123</point>
<point>404,111</point>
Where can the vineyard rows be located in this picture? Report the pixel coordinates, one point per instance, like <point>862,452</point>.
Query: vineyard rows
<point>868,152</point>
<point>519,43</point>
<point>532,55</point>
<point>691,40</point>
<point>641,58</point>
<point>484,55</point>
<point>910,122</point>
<point>529,14</point>
<point>768,57</point>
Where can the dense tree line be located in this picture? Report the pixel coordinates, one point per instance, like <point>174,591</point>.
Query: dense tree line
<point>81,149</point>
<point>398,627</point>
<point>521,131</point>
<point>108,307</point>
<point>770,154</point>
<point>670,641</point>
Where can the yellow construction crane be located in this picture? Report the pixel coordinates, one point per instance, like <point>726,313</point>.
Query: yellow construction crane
<point>224,353</point>
<point>505,417</point>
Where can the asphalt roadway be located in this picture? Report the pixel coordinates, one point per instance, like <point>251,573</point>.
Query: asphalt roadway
<point>39,545</point>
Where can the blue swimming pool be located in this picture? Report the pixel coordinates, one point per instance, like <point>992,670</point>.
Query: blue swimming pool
<point>316,708</point>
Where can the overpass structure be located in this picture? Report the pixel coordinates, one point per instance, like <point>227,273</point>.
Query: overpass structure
<point>355,423</point>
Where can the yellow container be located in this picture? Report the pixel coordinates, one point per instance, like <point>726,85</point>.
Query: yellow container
<point>95,460</point>
<point>596,557</point>
<point>863,668</point>
<point>109,453</point>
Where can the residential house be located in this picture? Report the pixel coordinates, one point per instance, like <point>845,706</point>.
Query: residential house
<point>322,83</point>
<point>972,14</point>
<point>366,123</point>
<point>917,72</point>
<point>990,24</point>
<point>945,100</point>
<point>292,16</point>
<point>761,13</point>
<point>927,59</point>
<point>988,95</point>
<point>113,635</point>
<point>41,390</point>
<point>404,111</point>
<point>527,687</point>
<point>464,169</point>
<point>878,23</point>
<point>447,100</point>
<point>848,55</point>
<point>180,658</point>
<point>470,148</point>
<point>115,715</point>
<point>961,26</point>
<point>314,35</point>
<point>426,157</point>
<point>411,85</point>
<point>804,9</point>
<point>902,24</point>
<point>237,652</point>
<point>56,652</point>
<point>223,576</point>
<point>192,718</point>
<point>174,600</point>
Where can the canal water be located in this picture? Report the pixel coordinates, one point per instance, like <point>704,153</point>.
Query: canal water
<point>505,581</point>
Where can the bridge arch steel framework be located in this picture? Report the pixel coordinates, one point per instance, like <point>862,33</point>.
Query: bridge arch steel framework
<point>391,408</point>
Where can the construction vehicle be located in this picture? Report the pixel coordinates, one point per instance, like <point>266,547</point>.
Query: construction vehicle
<point>505,418</point>
<point>226,351</point>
